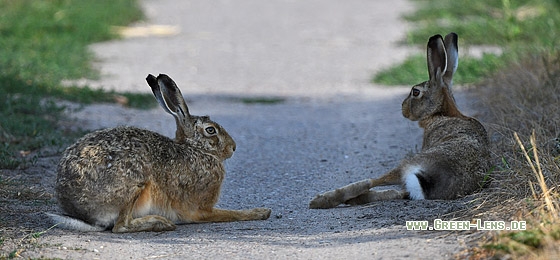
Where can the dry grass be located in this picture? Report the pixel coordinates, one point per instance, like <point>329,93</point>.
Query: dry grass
<point>523,105</point>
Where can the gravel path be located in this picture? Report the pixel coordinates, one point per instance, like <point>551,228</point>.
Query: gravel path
<point>333,128</point>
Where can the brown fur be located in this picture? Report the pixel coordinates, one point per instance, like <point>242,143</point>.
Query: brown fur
<point>134,180</point>
<point>454,157</point>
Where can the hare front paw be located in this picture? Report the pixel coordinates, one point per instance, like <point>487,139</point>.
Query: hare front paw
<point>261,213</point>
<point>163,226</point>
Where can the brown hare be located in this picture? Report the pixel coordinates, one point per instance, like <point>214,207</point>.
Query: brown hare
<point>131,179</point>
<point>454,158</point>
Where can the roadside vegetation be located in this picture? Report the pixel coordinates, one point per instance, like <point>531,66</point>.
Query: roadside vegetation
<point>516,27</point>
<point>519,90</point>
<point>41,44</point>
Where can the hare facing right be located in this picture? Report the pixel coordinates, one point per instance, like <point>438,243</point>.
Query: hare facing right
<point>454,158</point>
<point>132,180</point>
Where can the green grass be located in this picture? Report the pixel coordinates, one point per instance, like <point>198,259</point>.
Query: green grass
<point>494,22</point>
<point>43,42</point>
<point>27,124</point>
<point>527,242</point>
<point>516,26</point>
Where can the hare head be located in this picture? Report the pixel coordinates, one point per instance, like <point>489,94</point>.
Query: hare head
<point>433,97</point>
<point>199,130</point>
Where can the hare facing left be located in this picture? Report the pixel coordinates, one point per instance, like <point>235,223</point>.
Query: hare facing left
<point>130,180</point>
<point>455,156</point>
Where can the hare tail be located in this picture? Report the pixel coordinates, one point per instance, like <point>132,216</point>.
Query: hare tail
<point>74,224</point>
<point>412,179</point>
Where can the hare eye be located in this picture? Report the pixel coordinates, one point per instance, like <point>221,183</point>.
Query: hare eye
<point>415,92</point>
<point>210,130</point>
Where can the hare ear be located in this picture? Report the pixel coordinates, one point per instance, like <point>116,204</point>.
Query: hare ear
<point>452,50</point>
<point>152,82</point>
<point>172,96</point>
<point>168,96</point>
<point>437,58</point>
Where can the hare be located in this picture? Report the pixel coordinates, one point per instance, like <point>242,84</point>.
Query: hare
<point>454,158</point>
<point>132,180</point>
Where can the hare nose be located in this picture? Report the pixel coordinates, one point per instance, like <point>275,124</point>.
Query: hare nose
<point>234,146</point>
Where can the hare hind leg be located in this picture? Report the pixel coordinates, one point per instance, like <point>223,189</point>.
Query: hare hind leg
<point>372,196</point>
<point>336,197</point>
<point>225,215</point>
<point>147,223</point>
<point>339,196</point>
<point>141,199</point>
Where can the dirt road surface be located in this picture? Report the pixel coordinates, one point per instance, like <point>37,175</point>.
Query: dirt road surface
<point>330,127</point>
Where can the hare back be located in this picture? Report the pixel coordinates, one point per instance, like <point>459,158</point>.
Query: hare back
<point>443,131</point>
<point>453,161</point>
<point>106,170</point>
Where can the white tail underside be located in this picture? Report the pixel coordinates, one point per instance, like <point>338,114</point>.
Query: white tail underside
<point>74,224</point>
<point>411,182</point>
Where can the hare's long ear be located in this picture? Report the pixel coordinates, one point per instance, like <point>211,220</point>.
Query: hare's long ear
<point>171,100</point>
<point>452,50</point>
<point>153,83</point>
<point>173,97</point>
<point>437,59</point>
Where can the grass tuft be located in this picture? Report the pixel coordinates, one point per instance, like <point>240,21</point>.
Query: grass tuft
<point>542,238</point>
